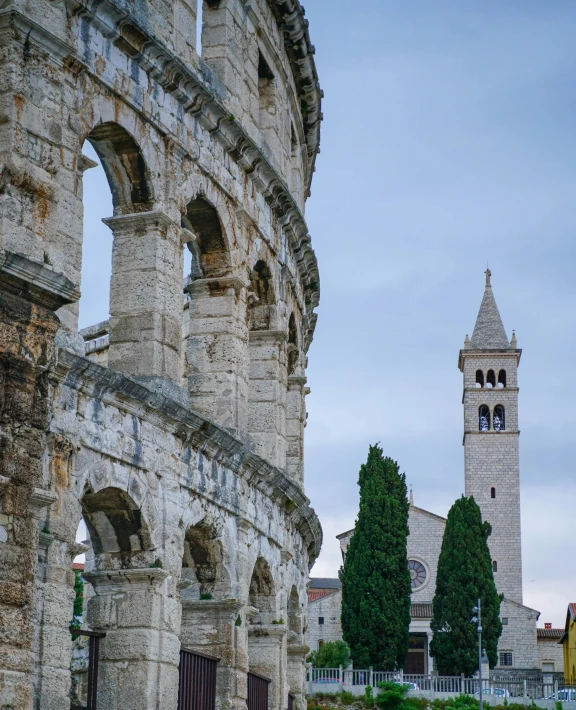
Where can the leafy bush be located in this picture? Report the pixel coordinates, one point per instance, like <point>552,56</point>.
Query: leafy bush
<point>392,696</point>
<point>416,703</point>
<point>331,655</point>
<point>368,696</point>
<point>347,698</point>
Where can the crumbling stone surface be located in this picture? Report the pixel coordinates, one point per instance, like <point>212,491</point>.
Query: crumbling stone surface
<point>175,429</point>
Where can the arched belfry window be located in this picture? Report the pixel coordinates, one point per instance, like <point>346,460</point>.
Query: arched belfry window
<point>483,418</point>
<point>492,492</point>
<point>490,379</point>
<point>502,378</point>
<point>494,566</point>
<point>479,378</point>
<point>292,344</point>
<point>499,421</point>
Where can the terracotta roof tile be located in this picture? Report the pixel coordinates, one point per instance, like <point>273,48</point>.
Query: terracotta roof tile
<point>421,611</point>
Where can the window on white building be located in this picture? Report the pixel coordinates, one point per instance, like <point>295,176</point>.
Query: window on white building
<point>320,620</point>
<point>504,621</point>
<point>505,658</point>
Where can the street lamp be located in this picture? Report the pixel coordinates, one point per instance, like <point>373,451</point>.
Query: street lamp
<point>478,620</point>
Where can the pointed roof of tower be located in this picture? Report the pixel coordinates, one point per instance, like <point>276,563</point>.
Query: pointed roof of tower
<point>489,333</point>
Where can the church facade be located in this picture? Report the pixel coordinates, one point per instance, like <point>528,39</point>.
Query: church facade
<point>489,365</point>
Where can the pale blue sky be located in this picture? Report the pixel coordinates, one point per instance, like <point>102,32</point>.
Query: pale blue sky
<point>449,140</point>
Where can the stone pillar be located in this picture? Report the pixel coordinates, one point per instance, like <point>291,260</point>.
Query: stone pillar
<point>267,656</point>
<point>140,653</point>
<point>29,295</point>
<point>54,608</point>
<point>216,628</point>
<point>146,298</point>
<point>267,394</point>
<point>217,350</point>
<point>295,423</point>
<point>296,674</point>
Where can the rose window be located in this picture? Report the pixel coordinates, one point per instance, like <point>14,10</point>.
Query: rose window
<point>417,573</point>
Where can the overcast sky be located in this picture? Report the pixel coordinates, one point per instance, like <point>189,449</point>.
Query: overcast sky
<point>448,141</point>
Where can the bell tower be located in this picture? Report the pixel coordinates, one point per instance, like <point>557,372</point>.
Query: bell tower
<point>489,363</point>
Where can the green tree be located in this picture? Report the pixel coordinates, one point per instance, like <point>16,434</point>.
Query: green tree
<point>464,576</point>
<point>78,600</point>
<point>331,655</point>
<point>375,577</point>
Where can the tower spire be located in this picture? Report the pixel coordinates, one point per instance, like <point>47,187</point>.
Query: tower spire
<point>489,332</point>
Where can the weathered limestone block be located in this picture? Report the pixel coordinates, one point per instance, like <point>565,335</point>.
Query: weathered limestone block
<point>295,424</point>
<point>267,657</point>
<point>217,350</point>
<point>139,655</point>
<point>296,673</point>
<point>146,296</point>
<point>267,394</point>
<point>213,627</point>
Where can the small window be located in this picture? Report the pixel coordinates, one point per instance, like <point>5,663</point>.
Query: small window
<point>494,566</point>
<point>504,621</point>
<point>492,492</point>
<point>506,658</point>
<point>502,378</point>
<point>483,418</point>
<point>266,86</point>
<point>547,667</point>
<point>499,423</point>
<point>321,620</point>
<point>491,379</point>
<point>479,378</point>
<point>320,643</point>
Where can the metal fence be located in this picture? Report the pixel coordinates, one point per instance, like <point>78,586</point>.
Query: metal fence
<point>338,679</point>
<point>93,660</point>
<point>257,692</point>
<point>197,684</point>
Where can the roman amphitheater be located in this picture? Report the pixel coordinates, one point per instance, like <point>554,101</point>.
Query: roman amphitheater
<point>175,428</point>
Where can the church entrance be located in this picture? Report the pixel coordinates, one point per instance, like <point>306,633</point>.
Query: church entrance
<point>417,656</point>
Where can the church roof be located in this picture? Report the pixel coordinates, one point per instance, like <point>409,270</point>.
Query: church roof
<point>421,611</point>
<point>489,333</point>
<point>324,583</point>
<point>549,633</point>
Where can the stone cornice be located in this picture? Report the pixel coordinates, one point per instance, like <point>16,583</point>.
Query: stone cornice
<point>202,102</point>
<point>486,354</point>
<point>111,581</point>
<point>35,282</point>
<point>139,220</point>
<point>217,443</point>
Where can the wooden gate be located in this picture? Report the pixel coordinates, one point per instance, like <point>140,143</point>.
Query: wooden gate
<point>93,657</point>
<point>197,686</point>
<point>257,692</point>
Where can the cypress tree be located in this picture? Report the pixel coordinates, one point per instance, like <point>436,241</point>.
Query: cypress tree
<point>375,576</point>
<point>464,576</point>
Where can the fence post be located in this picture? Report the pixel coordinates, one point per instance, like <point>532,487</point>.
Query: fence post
<point>401,675</point>
<point>341,678</point>
<point>371,677</point>
<point>525,691</point>
<point>555,688</point>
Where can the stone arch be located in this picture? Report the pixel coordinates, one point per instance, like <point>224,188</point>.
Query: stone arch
<point>262,591</point>
<point>203,570</point>
<point>118,530</point>
<point>210,252</point>
<point>125,167</point>
<point>262,297</point>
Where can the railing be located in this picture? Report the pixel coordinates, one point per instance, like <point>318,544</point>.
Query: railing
<point>257,692</point>
<point>93,658</point>
<point>356,680</point>
<point>197,682</point>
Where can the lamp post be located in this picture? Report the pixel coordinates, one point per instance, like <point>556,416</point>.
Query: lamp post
<point>478,620</point>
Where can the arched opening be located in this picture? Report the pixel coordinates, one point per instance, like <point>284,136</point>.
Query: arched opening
<point>490,379</point>
<point>492,492</point>
<point>262,297</point>
<point>483,418</point>
<point>210,256</point>
<point>502,378</point>
<point>494,566</point>
<point>94,304</point>
<point>124,166</point>
<point>292,344</point>
<point>499,420</point>
<point>203,574</point>
<point>263,592</point>
<point>479,378</point>
<point>119,537</point>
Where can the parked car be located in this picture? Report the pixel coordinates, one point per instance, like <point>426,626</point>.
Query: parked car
<point>499,692</point>
<point>565,695</point>
<point>411,686</point>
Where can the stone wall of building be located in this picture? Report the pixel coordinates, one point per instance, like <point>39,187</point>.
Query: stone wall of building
<point>518,636</point>
<point>324,620</point>
<point>550,651</point>
<point>181,447</point>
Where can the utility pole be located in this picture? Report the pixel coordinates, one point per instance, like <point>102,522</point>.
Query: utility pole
<point>478,619</point>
